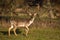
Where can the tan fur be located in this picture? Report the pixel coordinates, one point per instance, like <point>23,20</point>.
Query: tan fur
<point>17,24</point>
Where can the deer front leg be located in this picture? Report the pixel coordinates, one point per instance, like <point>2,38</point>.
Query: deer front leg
<point>15,31</point>
<point>27,29</point>
<point>9,30</point>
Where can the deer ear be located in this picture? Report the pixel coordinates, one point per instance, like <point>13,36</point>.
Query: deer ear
<point>30,14</point>
<point>35,13</point>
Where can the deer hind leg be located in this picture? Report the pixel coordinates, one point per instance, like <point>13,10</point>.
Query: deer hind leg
<point>15,31</point>
<point>27,29</point>
<point>10,29</point>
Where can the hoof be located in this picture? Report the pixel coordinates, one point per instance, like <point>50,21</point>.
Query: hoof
<point>8,35</point>
<point>25,35</point>
<point>16,35</point>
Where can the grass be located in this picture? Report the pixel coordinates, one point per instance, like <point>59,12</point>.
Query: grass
<point>34,34</point>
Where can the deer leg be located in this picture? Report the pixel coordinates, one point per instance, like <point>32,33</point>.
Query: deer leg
<point>10,30</point>
<point>27,29</point>
<point>15,31</point>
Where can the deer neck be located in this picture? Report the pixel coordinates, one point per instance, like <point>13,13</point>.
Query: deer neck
<point>32,20</point>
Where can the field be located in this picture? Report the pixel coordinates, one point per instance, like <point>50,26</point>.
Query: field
<point>46,25</point>
<point>36,32</point>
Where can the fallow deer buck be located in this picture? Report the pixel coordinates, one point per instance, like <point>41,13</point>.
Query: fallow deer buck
<point>17,24</point>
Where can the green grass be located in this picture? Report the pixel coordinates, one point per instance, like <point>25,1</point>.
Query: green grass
<point>34,34</point>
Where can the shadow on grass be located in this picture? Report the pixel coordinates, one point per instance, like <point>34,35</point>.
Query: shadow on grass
<point>6,32</point>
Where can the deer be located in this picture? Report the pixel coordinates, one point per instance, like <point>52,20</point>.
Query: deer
<point>17,24</point>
